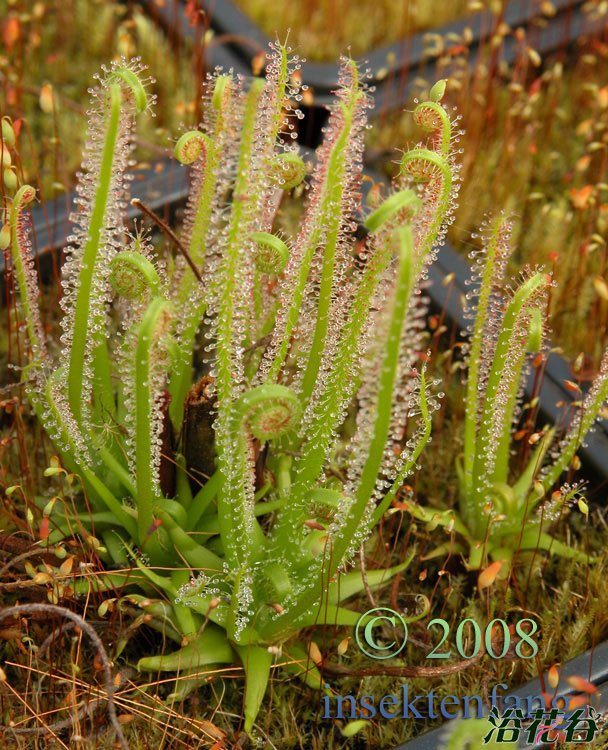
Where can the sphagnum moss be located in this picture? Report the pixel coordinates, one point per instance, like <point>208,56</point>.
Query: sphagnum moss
<point>291,348</point>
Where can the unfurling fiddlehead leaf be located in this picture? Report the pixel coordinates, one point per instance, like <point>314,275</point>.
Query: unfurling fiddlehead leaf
<point>191,146</point>
<point>290,170</point>
<point>132,275</point>
<point>422,165</point>
<point>402,201</point>
<point>271,253</point>
<point>432,118</point>
<point>269,411</point>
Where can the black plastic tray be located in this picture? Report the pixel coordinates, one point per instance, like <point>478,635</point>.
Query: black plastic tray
<point>171,16</point>
<point>568,26</point>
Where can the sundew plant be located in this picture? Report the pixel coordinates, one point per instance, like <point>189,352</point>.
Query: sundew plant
<point>319,404</point>
<point>504,510</point>
<point>505,507</point>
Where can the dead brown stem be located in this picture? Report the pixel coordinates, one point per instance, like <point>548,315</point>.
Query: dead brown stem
<point>396,671</point>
